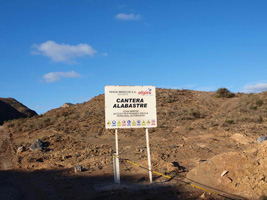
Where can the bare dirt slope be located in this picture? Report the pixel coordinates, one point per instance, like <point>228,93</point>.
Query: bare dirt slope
<point>193,128</point>
<point>246,172</point>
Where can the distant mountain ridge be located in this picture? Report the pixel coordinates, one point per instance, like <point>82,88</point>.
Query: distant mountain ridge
<point>12,109</point>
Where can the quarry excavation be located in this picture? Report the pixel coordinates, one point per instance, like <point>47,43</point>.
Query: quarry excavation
<point>133,100</point>
<point>204,147</point>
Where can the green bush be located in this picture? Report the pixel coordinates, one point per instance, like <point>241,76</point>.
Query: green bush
<point>253,107</point>
<point>224,93</point>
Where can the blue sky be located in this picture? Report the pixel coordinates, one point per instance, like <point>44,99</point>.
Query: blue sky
<point>58,51</point>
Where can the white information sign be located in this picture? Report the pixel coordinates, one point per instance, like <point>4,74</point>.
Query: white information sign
<point>130,107</point>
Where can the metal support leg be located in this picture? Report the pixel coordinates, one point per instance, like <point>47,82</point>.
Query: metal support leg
<point>148,156</point>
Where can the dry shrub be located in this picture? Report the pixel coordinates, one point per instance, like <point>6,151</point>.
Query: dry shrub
<point>224,93</point>
<point>259,102</point>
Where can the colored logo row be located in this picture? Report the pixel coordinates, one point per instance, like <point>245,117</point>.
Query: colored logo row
<point>131,123</point>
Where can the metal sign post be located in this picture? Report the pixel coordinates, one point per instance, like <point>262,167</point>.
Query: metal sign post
<point>148,156</point>
<point>117,164</point>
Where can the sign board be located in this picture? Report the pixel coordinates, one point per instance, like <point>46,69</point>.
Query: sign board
<point>130,107</point>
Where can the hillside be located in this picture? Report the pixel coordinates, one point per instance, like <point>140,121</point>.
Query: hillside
<point>12,109</point>
<point>193,128</point>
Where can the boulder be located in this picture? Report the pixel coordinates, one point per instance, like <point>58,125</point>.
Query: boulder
<point>262,139</point>
<point>66,105</point>
<point>37,145</point>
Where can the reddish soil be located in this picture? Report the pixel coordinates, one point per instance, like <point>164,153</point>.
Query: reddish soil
<point>194,130</point>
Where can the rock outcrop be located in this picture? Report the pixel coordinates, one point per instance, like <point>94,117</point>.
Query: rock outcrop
<point>12,109</point>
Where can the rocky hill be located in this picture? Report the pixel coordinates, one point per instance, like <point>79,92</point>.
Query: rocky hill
<point>196,131</point>
<point>12,109</point>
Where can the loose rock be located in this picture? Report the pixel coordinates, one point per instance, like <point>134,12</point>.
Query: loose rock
<point>20,149</point>
<point>224,172</point>
<point>203,196</point>
<point>262,139</point>
<point>77,168</point>
<point>37,145</point>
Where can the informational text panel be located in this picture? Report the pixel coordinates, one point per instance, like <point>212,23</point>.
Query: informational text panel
<point>130,107</point>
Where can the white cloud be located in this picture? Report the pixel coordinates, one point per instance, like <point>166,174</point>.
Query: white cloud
<point>190,87</point>
<point>259,87</point>
<point>63,52</point>
<point>105,54</point>
<point>56,76</point>
<point>127,17</point>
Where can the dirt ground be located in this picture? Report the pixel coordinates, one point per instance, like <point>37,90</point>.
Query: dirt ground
<point>195,129</point>
<point>49,175</point>
<point>52,180</point>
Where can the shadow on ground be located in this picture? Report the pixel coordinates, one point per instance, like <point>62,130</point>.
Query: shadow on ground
<point>65,185</point>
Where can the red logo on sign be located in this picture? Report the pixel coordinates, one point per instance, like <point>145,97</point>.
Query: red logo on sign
<point>147,92</point>
<point>144,93</point>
